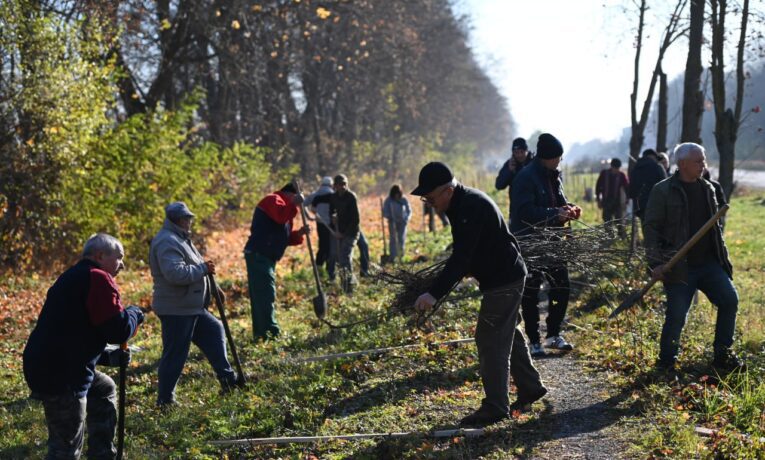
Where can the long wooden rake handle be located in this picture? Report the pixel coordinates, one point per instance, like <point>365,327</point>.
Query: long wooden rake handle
<point>635,296</point>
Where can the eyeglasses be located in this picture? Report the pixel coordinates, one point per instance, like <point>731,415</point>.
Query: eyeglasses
<point>432,199</point>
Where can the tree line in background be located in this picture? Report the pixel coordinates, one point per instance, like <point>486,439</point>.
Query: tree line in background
<point>748,46</point>
<point>109,110</point>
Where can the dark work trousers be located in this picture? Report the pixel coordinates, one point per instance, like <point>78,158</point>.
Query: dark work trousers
<point>502,350</point>
<point>325,244</point>
<point>614,215</point>
<point>67,415</point>
<point>558,296</point>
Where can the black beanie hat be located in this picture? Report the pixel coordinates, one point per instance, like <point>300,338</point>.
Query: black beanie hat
<point>548,147</point>
<point>520,143</point>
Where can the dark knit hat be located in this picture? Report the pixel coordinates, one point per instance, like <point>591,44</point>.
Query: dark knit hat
<point>432,175</point>
<point>289,188</point>
<point>548,147</point>
<point>520,144</point>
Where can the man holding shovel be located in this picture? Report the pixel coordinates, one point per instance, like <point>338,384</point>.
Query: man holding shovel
<point>270,234</point>
<point>678,207</point>
<point>181,294</point>
<point>82,313</point>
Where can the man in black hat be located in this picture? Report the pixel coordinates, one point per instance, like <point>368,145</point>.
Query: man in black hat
<point>538,202</point>
<point>646,173</point>
<point>485,249</point>
<point>520,157</point>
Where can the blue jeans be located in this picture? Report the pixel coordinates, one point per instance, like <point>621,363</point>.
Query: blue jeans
<point>178,332</point>
<point>714,282</point>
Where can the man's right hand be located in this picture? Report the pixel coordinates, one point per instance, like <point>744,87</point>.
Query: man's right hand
<point>210,267</point>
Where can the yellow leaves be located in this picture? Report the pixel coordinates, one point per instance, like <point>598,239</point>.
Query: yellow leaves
<point>274,54</point>
<point>256,8</point>
<point>235,24</point>
<point>165,24</point>
<point>323,13</point>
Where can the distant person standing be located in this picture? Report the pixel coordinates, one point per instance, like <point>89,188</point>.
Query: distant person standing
<point>611,190</point>
<point>326,253</point>
<point>538,202</point>
<point>664,161</point>
<point>344,210</point>
<point>520,158</point>
<point>398,212</point>
<point>646,173</point>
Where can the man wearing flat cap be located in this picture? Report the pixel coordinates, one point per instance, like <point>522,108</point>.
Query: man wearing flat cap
<point>180,299</point>
<point>538,202</point>
<point>521,157</point>
<point>485,249</point>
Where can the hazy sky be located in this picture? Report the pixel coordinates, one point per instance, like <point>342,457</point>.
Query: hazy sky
<point>566,66</point>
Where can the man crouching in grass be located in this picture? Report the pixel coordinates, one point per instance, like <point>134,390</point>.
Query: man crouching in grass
<point>485,249</point>
<point>81,314</point>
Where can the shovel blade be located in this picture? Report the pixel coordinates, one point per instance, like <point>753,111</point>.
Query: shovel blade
<point>320,306</point>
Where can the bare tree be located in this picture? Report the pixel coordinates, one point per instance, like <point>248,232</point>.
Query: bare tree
<point>693,98</point>
<point>727,121</point>
<point>671,33</point>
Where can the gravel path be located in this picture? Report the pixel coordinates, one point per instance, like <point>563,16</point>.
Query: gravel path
<point>585,417</point>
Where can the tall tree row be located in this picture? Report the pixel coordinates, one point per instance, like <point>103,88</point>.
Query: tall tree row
<point>328,85</point>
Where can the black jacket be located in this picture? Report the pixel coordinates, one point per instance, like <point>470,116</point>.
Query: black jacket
<point>646,173</point>
<point>82,312</point>
<point>536,196</point>
<point>483,246</point>
<point>505,177</point>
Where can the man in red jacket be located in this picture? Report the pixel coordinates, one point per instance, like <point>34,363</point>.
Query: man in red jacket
<point>82,312</point>
<point>270,234</point>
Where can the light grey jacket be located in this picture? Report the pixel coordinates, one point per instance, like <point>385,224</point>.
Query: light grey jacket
<point>178,270</point>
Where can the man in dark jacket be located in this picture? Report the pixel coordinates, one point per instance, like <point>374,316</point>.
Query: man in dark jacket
<point>646,173</point>
<point>611,193</point>
<point>344,208</point>
<point>270,234</point>
<point>677,208</point>
<point>538,202</point>
<point>485,249</point>
<point>81,314</point>
<point>520,158</point>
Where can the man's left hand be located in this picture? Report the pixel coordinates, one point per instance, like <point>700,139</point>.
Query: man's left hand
<point>305,230</point>
<point>424,303</point>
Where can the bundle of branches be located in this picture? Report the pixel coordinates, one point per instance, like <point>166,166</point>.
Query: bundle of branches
<point>593,251</point>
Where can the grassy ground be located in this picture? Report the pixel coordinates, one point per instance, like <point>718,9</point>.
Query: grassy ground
<point>417,389</point>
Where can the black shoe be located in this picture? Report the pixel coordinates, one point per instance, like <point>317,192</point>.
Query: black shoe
<point>484,416</point>
<point>523,405</point>
<point>166,406</point>
<point>727,361</point>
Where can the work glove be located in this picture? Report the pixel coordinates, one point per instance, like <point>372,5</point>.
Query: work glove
<point>115,358</point>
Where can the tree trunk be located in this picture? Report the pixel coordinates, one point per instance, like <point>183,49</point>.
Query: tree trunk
<point>693,98</point>
<point>727,121</point>
<point>661,122</point>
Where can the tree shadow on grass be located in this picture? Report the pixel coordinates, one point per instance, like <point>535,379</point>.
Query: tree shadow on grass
<point>398,389</point>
